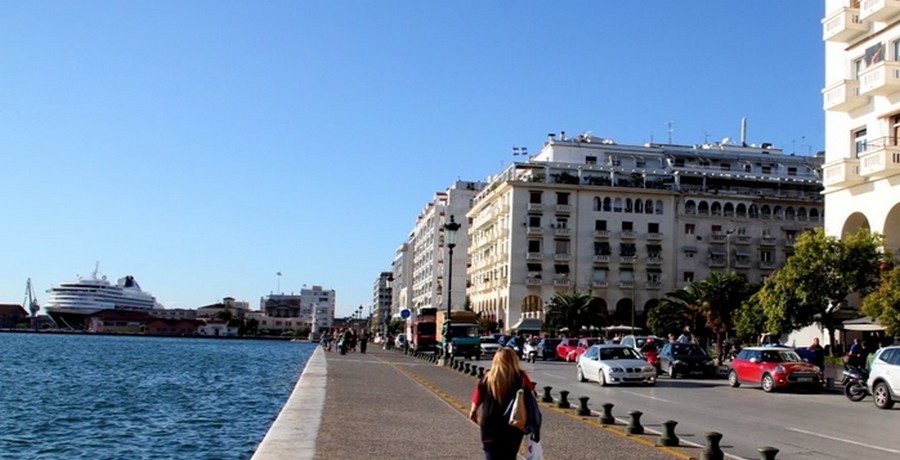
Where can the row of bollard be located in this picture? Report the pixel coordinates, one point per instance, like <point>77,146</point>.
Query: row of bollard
<point>668,438</point>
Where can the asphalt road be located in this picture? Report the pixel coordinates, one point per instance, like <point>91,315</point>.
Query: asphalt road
<point>801,425</point>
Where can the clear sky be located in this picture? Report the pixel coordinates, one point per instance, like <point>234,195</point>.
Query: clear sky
<point>204,146</point>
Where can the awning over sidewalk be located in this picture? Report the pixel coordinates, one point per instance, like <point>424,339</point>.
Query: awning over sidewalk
<point>527,325</point>
<point>864,324</point>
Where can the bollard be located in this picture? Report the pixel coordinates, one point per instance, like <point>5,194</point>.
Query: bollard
<point>481,372</point>
<point>668,437</point>
<point>563,400</point>
<point>767,453</point>
<point>583,406</point>
<point>607,417</point>
<point>634,426</point>
<point>547,398</point>
<point>467,368</point>
<point>474,371</point>
<point>712,450</point>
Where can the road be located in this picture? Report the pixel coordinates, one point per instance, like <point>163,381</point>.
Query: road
<point>801,425</point>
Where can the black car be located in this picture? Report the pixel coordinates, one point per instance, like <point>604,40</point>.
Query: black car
<point>547,348</point>
<point>686,359</point>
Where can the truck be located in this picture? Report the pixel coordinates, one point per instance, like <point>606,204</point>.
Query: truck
<point>464,339</point>
<point>423,330</point>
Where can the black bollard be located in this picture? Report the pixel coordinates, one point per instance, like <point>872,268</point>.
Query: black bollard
<point>767,453</point>
<point>474,371</point>
<point>668,437</point>
<point>563,400</point>
<point>634,426</point>
<point>480,371</point>
<point>712,450</point>
<point>607,417</point>
<point>467,368</point>
<point>547,398</point>
<point>583,406</point>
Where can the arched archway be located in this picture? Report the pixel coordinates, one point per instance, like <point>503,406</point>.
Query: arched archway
<point>622,313</point>
<point>533,307</point>
<point>891,229</point>
<point>854,222</point>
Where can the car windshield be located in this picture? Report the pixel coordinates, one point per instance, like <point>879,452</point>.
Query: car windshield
<point>687,349</point>
<point>488,340</point>
<point>608,354</point>
<point>780,356</point>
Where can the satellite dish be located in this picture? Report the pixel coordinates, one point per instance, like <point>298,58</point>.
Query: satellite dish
<point>726,140</point>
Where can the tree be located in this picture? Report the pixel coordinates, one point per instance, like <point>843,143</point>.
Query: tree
<point>883,305</point>
<point>572,311</point>
<point>817,279</point>
<point>720,297</point>
<point>677,310</point>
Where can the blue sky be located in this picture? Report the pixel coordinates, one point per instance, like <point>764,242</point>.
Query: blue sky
<point>204,146</point>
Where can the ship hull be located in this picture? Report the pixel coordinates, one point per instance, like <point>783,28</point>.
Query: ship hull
<point>70,318</point>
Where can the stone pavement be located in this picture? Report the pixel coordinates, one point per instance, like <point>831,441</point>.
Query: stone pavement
<point>384,404</point>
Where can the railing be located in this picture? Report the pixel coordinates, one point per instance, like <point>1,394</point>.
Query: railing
<point>626,284</point>
<point>562,282</point>
<point>599,284</point>
<point>601,258</point>
<point>533,281</point>
<point>534,256</point>
<point>562,256</point>
<point>744,239</point>
<point>535,207</point>
<point>654,260</point>
<point>718,237</point>
<point>563,208</point>
<point>535,230</point>
<point>767,240</point>
<point>654,236</point>
<point>653,284</point>
<point>627,259</point>
<point>601,233</point>
<point>561,231</point>
<point>628,234</point>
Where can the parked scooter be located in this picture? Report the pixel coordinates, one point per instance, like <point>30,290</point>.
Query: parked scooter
<point>530,352</point>
<point>854,380</point>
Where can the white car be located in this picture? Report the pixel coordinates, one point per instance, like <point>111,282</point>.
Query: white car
<point>489,345</point>
<point>884,377</point>
<point>614,364</point>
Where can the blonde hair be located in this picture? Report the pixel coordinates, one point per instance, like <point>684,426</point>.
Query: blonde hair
<point>504,373</point>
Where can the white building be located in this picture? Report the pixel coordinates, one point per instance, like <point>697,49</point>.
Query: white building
<point>381,301</point>
<point>628,224</point>
<point>862,117</point>
<point>281,312</point>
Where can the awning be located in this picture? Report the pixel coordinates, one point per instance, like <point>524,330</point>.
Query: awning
<point>534,267</point>
<point>627,249</point>
<point>602,248</point>
<point>651,248</point>
<point>561,268</point>
<point>689,248</point>
<point>742,253</point>
<point>717,252</point>
<point>527,325</point>
<point>864,324</point>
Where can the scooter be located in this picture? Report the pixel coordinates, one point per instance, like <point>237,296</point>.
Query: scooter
<point>854,381</point>
<point>530,352</point>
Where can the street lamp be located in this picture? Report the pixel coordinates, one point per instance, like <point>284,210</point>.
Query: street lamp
<point>451,228</point>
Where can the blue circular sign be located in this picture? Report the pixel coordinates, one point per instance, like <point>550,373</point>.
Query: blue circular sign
<point>404,313</point>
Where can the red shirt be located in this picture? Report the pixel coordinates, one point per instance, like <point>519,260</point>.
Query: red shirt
<point>478,398</point>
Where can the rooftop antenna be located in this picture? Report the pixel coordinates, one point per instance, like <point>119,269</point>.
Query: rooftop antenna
<point>669,124</point>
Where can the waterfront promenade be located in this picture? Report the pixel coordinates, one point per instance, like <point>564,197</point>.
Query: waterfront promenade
<point>384,404</point>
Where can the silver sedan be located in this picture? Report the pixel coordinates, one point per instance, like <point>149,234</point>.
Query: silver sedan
<point>614,364</point>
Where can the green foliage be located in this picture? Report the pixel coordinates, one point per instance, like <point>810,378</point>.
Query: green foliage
<point>397,326</point>
<point>574,311</point>
<point>883,305</point>
<point>669,317</point>
<point>486,326</point>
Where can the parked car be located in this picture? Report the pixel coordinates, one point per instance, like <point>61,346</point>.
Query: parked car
<point>547,348</point>
<point>582,346</point>
<point>647,345</point>
<point>565,347</point>
<point>400,341</point>
<point>489,345</point>
<point>685,359</point>
<point>774,368</point>
<point>614,364</point>
<point>884,377</point>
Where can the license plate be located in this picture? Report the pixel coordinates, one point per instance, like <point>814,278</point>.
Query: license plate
<point>805,379</point>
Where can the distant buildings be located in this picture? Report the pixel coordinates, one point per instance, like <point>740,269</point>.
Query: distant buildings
<point>313,307</point>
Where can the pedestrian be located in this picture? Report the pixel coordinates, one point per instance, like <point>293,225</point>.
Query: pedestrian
<point>818,354</point>
<point>683,338</point>
<point>671,338</point>
<point>855,355</point>
<point>493,394</point>
<point>364,341</point>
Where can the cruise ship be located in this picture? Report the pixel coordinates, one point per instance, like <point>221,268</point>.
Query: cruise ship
<point>70,303</point>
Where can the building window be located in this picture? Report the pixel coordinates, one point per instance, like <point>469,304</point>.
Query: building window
<point>895,129</point>
<point>590,160</point>
<point>562,246</point>
<point>617,205</point>
<point>792,171</point>
<point>859,141</point>
<point>653,227</point>
<point>600,225</point>
<point>688,229</point>
<point>534,221</point>
<point>767,256</point>
<point>607,204</point>
<point>601,248</point>
<point>858,66</point>
<point>689,277</point>
<point>725,166</point>
<point>562,222</point>
<point>562,198</point>
<point>627,226</point>
<point>535,197</point>
<point>534,246</point>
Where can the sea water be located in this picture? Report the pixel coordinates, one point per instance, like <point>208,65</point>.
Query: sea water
<point>83,396</point>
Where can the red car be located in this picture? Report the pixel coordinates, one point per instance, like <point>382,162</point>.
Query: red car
<point>565,347</point>
<point>582,346</point>
<point>774,368</point>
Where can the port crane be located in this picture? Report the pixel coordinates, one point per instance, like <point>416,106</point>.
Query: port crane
<point>30,302</point>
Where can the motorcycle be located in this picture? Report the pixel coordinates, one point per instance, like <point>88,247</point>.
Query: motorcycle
<point>530,353</point>
<point>854,381</point>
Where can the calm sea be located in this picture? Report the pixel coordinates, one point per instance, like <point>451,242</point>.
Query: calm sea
<point>111,397</point>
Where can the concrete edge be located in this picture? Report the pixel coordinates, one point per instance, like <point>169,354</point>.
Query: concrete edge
<point>293,433</point>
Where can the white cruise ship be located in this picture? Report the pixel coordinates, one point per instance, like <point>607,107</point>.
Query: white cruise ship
<point>70,303</point>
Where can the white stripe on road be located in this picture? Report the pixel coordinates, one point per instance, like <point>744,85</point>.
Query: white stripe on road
<point>649,397</point>
<point>848,441</point>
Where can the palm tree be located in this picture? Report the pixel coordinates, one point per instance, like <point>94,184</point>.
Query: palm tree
<point>572,311</point>
<point>719,297</point>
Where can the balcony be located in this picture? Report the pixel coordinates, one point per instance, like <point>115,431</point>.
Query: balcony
<point>742,263</point>
<point>881,158</point>
<point>534,256</point>
<point>564,208</point>
<point>841,173</point>
<point>628,234</point>
<point>718,237</point>
<point>879,10</point>
<point>599,283</point>
<point>628,260</point>
<point>743,239</point>
<point>767,264</point>
<point>535,231</point>
<point>562,231</point>
<point>626,284</point>
<point>843,96</point>
<point>654,236</point>
<point>653,284</point>
<point>880,79</point>
<point>562,257</point>
<point>767,240</point>
<point>535,207</point>
<point>843,25</point>
<point>716,263</point>
<point>654,261</point>
<point>601,259</point>
<point>601,233</point>
<point>533,281</point>
<point>562,282</point>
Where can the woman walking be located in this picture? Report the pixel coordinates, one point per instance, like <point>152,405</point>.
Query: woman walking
<point>493,394</point>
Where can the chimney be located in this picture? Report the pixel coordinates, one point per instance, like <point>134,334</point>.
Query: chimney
<point>743,131</point>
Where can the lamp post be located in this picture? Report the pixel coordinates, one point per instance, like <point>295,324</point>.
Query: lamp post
<point>451,228</point>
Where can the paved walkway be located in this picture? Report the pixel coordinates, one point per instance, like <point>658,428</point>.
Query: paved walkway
<point>385,404</point>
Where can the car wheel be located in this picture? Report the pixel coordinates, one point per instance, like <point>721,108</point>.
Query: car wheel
<point>601,378</point>
<point>733,379</point>
<point>882,396</point>
<point>768,383</point>
<point>580,375</point>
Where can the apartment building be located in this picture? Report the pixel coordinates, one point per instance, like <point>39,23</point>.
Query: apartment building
<point>313,308</point>
<point>861,100</point>
<point>381,301</point>
<point>427,273</point>
<point>628,224</point>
